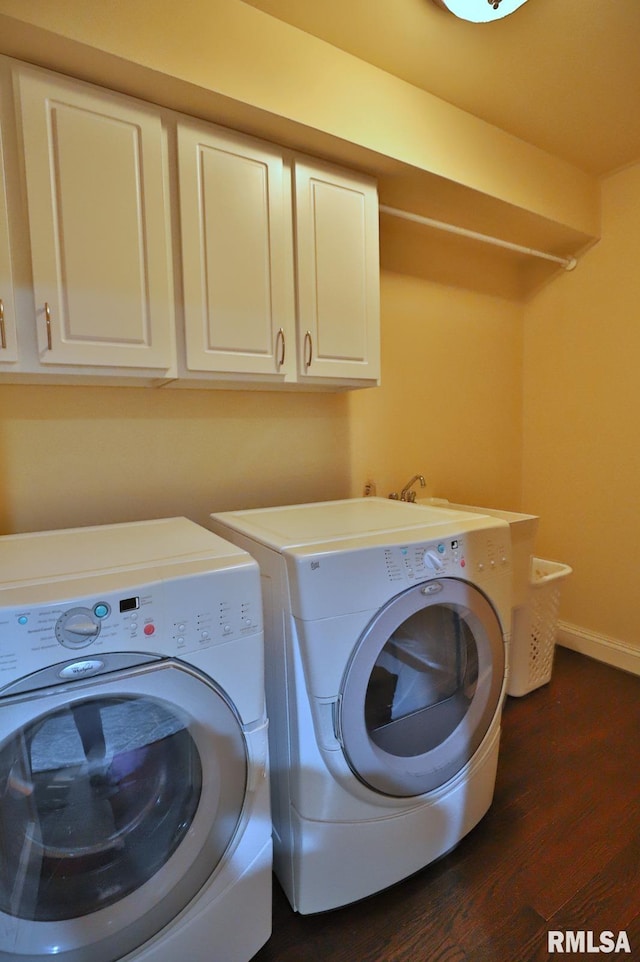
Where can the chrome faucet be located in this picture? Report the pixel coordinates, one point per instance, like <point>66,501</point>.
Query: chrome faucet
<point>407,494</point>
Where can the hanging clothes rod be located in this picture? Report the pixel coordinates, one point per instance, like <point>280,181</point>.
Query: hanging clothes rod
<point>567,262</point>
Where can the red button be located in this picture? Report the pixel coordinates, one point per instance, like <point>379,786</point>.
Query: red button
<point>149,629</point>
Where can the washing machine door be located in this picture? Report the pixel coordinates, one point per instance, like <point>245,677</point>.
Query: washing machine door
<point>422,688</point>
<point>120,796</point>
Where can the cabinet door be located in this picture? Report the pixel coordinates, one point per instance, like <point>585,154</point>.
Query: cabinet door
<point>337,260</point>
<point>8,347</point>
<point>236,253</point>
<point>95,178</point>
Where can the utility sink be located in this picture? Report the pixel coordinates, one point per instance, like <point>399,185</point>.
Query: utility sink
<point>523,528</point>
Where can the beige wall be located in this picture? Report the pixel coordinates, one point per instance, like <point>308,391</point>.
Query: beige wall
<point>83,455</point>
<point>581,416</point>
<point>450,402</point>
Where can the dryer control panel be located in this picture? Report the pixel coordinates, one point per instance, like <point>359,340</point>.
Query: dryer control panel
<point>453,556</point>
<point>337,582</point>
<point>163,618</point>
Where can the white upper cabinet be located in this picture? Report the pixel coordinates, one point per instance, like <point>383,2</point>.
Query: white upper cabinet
<point>235,245</point>
<point>337,261</point>
<point>271,292</point>
<point>277,255</point>
<point>8,345</point>
<point>99,229</point>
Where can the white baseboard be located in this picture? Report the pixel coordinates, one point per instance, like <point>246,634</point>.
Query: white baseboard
<point>610,650</point>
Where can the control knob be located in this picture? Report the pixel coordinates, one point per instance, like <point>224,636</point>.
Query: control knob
<point>433,561</point>
<point>77,628</point>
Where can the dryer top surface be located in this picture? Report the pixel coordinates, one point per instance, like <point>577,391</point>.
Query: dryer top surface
<point>302,525</point>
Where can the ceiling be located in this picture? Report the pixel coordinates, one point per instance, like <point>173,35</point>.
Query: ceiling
<point>563,75</point>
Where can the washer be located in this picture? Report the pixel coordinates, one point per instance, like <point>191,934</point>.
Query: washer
<point>386,626</point>
<point>134,821</point>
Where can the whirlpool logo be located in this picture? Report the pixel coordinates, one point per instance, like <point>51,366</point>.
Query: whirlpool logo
<point>585,941</point>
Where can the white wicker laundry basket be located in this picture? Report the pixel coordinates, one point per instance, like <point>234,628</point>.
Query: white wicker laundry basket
<point>533,637</point>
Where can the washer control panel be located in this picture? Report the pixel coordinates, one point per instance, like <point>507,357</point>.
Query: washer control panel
<point>165,618</point>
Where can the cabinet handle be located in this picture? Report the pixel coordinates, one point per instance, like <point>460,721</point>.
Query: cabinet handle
<point>308,349</point>
<point>3,333</point>
<point>47,315</point>
<point>280,341</point>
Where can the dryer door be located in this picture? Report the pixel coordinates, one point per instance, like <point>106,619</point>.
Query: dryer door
<point>422,688</point>
<point>120,796</point>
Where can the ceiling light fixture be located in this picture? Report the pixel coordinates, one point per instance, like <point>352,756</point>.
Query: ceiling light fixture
<point>480,11</point>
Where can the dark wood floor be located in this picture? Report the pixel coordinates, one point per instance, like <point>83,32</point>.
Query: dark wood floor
<point>559,849</point>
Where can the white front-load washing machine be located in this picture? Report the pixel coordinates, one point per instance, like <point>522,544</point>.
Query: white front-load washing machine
<point>386,628</point>
<point>134,808</point>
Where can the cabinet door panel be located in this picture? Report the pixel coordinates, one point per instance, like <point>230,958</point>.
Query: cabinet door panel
<point>338,272</point>
<point>8,346</point>
<point>97,216</point>
<point>236,257</point>
<point>340,264</point>
<point>233,249</point>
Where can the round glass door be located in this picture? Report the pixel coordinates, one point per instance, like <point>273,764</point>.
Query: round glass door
<point>422,688</point>
<point>118,803</point>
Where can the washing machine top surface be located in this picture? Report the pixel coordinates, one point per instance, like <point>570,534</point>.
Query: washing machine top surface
<point>143,546</point>
<point>354,519</point>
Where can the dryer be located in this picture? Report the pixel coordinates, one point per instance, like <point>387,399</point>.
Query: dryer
<point>134,809</point>
<point>386,628</point>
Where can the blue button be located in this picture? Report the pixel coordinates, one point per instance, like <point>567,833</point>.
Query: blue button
<point>101,611</point>
<point>22,620</point>
<point>441,549</point>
